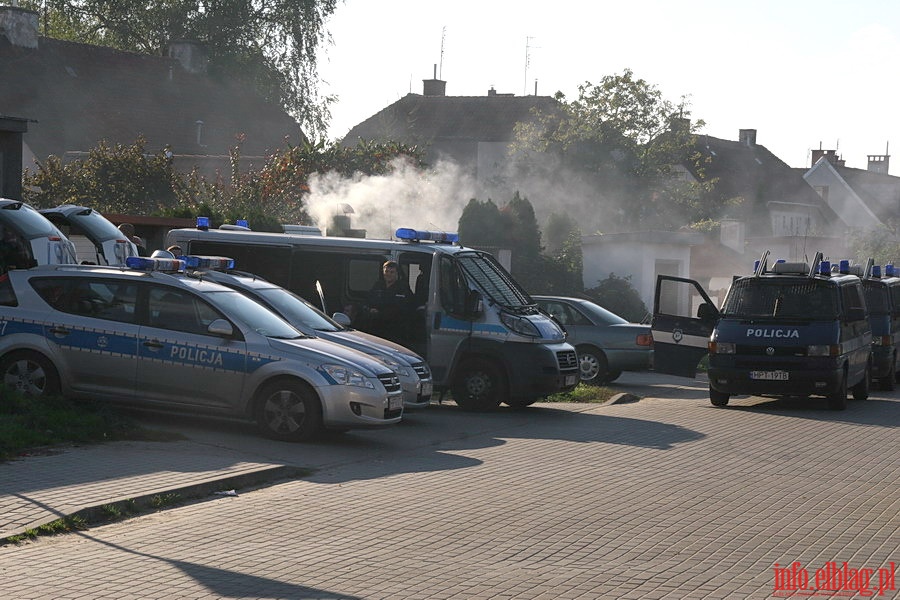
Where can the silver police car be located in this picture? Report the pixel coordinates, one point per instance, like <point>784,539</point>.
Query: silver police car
<point>158,339</point>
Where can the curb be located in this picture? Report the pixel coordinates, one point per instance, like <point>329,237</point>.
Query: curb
<point>622,398</point>
<point>131,506</point>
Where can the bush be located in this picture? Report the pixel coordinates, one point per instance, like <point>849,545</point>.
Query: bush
<point>616,294</point>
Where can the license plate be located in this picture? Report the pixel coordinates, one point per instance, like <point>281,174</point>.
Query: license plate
<point>571,379</point>
<point>769,375</point>
<point>395,402</point>
<point>427,388</point>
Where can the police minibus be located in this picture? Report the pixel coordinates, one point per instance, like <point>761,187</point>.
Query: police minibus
<point>481,333</point>
<point>790,330</point>
<point>27,238</point>
<point>882,291</point>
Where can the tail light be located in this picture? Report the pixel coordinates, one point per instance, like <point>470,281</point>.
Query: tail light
<point>644,339</point>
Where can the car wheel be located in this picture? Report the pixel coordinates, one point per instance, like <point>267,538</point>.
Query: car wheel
<point>611,376</point>
<point>837,400</point>
<point>288,410</point>
<point>861,389</point>
<point>478,385</point>
<point>592,365</point>
<point>30,373</point>
<point>718,398</point>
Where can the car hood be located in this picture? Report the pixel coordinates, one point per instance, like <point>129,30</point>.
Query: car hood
<point>370,344</point>
<point>318,350</point>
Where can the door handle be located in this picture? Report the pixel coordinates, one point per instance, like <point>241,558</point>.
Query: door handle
<point>60,331</point>
<point>153,344</point>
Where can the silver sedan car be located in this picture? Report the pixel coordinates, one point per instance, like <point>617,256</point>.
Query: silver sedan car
<point>606,343</point>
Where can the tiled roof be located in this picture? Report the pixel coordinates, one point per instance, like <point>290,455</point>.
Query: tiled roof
<point>880,191</point>
<point>79,94</point>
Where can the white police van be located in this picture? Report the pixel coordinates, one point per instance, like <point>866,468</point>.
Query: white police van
<point>481,333</point>
<point>790,330</point>
<point>414,374</point>
<point>28,239</point>
<point>95,238</point>
<point>156,339</point>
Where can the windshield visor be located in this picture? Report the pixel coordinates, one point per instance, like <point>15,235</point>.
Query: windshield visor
<point>496,283</point>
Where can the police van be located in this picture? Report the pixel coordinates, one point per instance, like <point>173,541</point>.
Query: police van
<point>481,333</point>
<point>28,239</point>
<point>151,338</point>
<point>789,330</point>
<point>95,238</point>
<point>882,291</point>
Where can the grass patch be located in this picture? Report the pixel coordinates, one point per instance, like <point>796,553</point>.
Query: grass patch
<point>584,393</point>
<point>27,423</point>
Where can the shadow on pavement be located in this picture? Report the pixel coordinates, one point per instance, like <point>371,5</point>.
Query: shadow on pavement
<point>882,413</point>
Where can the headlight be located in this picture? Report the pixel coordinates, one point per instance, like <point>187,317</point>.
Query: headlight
<point>721,347</point>
<point>347,376</point>
<point>519,325</point>
<point>823,350</point>
<point>394,365</point>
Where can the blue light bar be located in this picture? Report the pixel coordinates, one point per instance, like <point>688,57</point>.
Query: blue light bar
<point>825,267</point>
<point>203,223</point>
<point>215,263</point>
<point>888,270</point>
<point>144,263</point>
<point>876,271</point>
<point>844,269</point>
<point>421,235</point>
<point>242,223</point>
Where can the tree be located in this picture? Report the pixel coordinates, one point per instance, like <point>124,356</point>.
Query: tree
<point>269,44</point>
<point>617,295</point>
<point>628,140</point>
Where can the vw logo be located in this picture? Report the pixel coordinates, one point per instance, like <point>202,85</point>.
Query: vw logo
<point>677,335</point>
<point>770,350</point>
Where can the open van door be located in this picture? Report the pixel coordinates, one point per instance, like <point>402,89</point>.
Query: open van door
<point>683,319</point>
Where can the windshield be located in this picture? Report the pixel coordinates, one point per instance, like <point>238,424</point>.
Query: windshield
<point>493,279</point>
<point>27,221</point>
<point>96,226</point>
<point>253,314</point>
<point>806,300</point>
<point>297,310</point>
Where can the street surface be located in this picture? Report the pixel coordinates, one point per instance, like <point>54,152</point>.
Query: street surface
<point>668,497</point>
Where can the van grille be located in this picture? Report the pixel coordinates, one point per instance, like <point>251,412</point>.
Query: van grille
<point>390,381</point>
<point>421,370</point>
<point>568,360</point>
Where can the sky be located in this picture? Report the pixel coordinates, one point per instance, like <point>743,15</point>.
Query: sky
<point>804,74</point>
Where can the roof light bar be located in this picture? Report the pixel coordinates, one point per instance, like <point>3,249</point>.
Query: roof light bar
<point>164,265</point>
<point>203,223</point>
<point>214,263</point>
<point>876,271</point>
<point>422,235</point>
<point>825,267</point>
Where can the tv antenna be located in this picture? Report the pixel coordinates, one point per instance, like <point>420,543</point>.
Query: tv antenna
<point>443,38</point>
<point>528,47</point>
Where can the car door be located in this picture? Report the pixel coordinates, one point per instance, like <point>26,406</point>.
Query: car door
<point>683,320</point>
<point>92,331</point>
<point>179,360</point>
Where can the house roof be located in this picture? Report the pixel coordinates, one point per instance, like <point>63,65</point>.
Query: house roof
<point>79,94</point>
<point>879,191</point>
<point>450,120</point>
<point>750,171</point>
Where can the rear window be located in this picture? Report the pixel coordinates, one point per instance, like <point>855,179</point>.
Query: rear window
<point>877,299</point>
<point>760,298</point>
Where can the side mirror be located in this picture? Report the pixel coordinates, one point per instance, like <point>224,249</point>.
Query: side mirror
<point>707,312</point>
<point>341,319</point>
<point>474,303</point>
<point>220,327</point>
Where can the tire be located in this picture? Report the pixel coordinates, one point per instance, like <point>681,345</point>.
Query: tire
<point>611,376</point>
<point>718,398</point>
<point>861,389</point>
<point>289,411</point>
<point>478,385</point>
<point>29,373</point>
<point>593,368</point>
<point>837,400</point>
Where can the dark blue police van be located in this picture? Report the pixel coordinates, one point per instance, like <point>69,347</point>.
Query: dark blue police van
<point>789,330</point>
<point>882,291</point>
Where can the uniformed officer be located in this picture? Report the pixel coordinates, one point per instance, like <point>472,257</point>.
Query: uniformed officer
<point>390,304</point>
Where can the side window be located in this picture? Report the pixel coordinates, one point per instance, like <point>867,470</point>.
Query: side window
<point>575,317</point>
<point>363,273</point>
<point>97,298</point>
<point>269,262</point>
<point>170,308</point>
<point>453,287</point>
<point>558,311</point>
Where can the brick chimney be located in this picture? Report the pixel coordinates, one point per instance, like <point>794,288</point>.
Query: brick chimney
<point>829,155</point>
<point>747,137</point>
<point>434,87</point>
<point>880,163</point>
<point>191,54</point>
<point>20,26</point>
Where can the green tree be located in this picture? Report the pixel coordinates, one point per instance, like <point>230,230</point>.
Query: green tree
<point>269,44</point>
<point>616,294</point>
<point>628,140</point>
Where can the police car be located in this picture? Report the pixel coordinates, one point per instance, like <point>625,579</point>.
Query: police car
<point>414,374</point>
<point>27,238</point>
<point>156,339</point>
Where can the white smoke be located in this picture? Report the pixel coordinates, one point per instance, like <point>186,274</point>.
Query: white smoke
<point>407,197</point>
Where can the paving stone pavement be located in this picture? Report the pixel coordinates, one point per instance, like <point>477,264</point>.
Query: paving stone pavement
<point>662,498</point>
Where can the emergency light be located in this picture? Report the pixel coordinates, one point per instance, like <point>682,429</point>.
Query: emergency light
<point>844,269</point>
<point>876,271</point>
<point>825,267</point>
<point>242,223</point>
<point>203,223</point>
<point>421,235</point>
<point>144,263</point>
<point>888,270</point>
<point>214,263</point>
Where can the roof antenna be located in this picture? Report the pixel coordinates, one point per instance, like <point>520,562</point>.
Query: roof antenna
<point>440,72</point>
